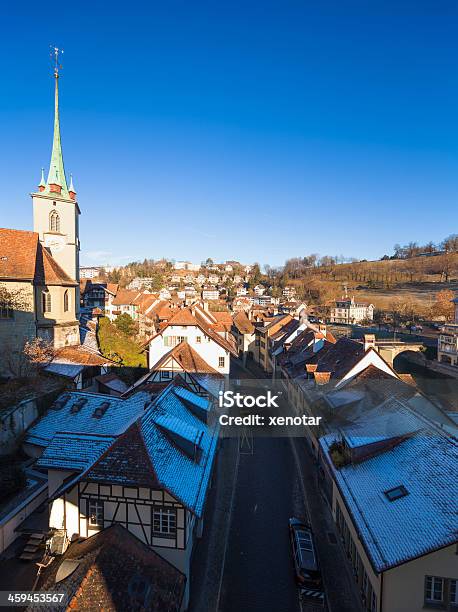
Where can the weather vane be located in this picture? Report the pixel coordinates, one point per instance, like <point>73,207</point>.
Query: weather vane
<point>55,51</point>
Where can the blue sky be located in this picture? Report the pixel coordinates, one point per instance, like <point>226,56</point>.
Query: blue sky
<point>245,130</point>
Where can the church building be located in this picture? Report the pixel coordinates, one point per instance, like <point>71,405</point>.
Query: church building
<point>39,270</point>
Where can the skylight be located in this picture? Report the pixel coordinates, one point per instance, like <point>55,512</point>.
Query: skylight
<point>396,493</point>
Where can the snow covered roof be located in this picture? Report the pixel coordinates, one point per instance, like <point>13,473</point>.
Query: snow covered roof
<point>184,477</point>
<point>74,413</point>
<point>168,447</point>
<point>65,368</point>
<point>67,451</point>
<point>210,383</point>
<point>424,517</point>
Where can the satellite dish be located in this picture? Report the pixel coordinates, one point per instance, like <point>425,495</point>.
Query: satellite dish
<point>66,569</point>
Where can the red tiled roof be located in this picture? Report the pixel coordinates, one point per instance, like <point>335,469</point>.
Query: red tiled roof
<point>124,296</point>
<point>126,461</point>
<point>187,358</point>
<point>81,356</point>
<point>243,323</point>
<point>108,563</point>
<point>22,257</point>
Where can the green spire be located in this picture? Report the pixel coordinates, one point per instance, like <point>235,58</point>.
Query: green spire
<point>56,175</point>
<point>71,188</point>
<point>42,182</point>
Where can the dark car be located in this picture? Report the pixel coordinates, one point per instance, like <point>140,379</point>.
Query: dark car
<point>305,560</point>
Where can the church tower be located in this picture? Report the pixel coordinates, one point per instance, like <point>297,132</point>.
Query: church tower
<point>55,208</point>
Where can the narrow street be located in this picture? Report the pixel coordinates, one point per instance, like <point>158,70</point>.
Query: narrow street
<point>276,480</point>
<point>259,572</point>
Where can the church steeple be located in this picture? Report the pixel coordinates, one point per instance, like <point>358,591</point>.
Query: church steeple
<point>57,182</point>
<point>55,208</point>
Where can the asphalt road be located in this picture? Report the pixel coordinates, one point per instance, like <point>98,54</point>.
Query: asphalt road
<point>259,575</point>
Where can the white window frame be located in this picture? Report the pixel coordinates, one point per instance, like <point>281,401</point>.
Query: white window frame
<point>164,521</point>
<point>432,580</point>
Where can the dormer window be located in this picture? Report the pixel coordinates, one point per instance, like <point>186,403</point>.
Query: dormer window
<point>46,301</point>
<point>54,221</point>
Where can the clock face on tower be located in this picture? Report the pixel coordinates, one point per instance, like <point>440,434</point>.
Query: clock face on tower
<point>55,243</point>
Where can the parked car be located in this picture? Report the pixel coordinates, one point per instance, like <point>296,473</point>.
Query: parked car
<point>304,555</point>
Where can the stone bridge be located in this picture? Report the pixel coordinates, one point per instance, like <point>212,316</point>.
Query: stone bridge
<point>390,349</point>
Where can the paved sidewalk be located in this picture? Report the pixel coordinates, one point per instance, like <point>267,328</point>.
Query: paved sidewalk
<point>209,554</point>
<point>341,589</point>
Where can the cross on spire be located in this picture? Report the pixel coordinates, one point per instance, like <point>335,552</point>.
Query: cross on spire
<point>57,182</point>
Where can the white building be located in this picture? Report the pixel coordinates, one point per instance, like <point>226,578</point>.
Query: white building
<point>348,311</point>
<point>204,334</point>
<point>259,290</point>
<point>90,272</point>
<point>447,343</point>
<point>210,293</point>
<point>186,265</point>
<point>289,292</point>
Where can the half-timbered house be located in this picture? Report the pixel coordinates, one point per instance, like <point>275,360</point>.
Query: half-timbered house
<point>144,462</point>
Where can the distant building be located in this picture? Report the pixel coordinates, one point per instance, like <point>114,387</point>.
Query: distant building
<point>447,345</point>
<point>210,293</point>
<point>348,311</point>
<point>90,272</point>
<point>139,283</point>
<point>263,300</point>
<point>259,290</point>
<point>186,265</point>
<point>289,292</point>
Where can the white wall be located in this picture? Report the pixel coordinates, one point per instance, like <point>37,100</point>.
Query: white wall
<point>207,348</point>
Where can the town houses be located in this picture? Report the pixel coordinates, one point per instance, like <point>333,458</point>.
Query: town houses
<point>124,484</point>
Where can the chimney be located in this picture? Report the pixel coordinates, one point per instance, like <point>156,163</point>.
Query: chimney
<point>369,341</point>
<point>205,305</point>
<point>322,328</point>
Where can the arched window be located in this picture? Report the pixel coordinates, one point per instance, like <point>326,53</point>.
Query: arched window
<point>54,221</point>
<point>46,301</point>
<point>66,300</point>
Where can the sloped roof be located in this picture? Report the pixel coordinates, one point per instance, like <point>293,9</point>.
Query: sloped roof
<point>107,564</point>
<point>124,296</point>
<point>187,358</point>
<point>73,453</point>
<point>22,257</point>
<point>243,323</point>
<point>149,452</point>
<point>339,358</point>
<point>422,521</point>
<point>126,462</point>
<point>60,418</point>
